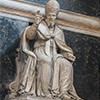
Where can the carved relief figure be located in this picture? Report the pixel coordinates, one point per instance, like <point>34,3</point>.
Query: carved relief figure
<point>44,68</point>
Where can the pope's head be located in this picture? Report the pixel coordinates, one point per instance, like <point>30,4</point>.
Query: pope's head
<point>51,10</point>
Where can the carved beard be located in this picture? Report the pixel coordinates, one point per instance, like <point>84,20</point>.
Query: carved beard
<point>51,23</point>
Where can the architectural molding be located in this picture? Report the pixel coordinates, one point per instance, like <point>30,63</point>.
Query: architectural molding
<point>67,20</point>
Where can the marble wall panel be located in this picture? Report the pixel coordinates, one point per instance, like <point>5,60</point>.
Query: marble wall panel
<point>87,7</point>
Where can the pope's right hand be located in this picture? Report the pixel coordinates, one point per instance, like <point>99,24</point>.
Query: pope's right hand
<point>38,18</point>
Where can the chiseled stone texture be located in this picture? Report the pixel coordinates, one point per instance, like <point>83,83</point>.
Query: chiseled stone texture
<point>86,49</point>
<point>86,67</point>
<point>32,98</point>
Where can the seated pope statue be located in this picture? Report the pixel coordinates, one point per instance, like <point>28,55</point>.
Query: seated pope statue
<point>44,67</point>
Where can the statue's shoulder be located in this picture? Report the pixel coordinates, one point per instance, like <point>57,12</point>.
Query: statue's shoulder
<point>59,30</point>
<point>25,29</point>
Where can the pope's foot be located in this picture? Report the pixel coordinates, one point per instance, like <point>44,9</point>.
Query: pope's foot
<point>66,97</point>
<point>49,96</point>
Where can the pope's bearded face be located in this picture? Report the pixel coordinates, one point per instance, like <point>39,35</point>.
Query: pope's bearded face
<point>51,17</point>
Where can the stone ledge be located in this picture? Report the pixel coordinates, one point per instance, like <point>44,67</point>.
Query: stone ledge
<point>31,98</point>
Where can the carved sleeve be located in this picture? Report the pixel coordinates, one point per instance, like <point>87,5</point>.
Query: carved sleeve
<point>31,32</point>
<point>60,40</point>
<point>65,50</point>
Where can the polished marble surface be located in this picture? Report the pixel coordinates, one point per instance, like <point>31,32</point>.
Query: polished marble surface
<point>86,66</point>
<point>87,7</point>
<point>86,49</point>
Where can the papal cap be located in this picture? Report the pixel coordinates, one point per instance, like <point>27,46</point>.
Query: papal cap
<point>52,6</point>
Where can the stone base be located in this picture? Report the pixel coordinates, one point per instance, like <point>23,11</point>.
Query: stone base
<point>30,98</point>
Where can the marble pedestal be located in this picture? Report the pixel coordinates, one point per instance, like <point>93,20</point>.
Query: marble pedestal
<point>30,98</point>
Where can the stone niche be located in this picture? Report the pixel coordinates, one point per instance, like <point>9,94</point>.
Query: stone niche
<point>86,49</point>
<point>86,66</point>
